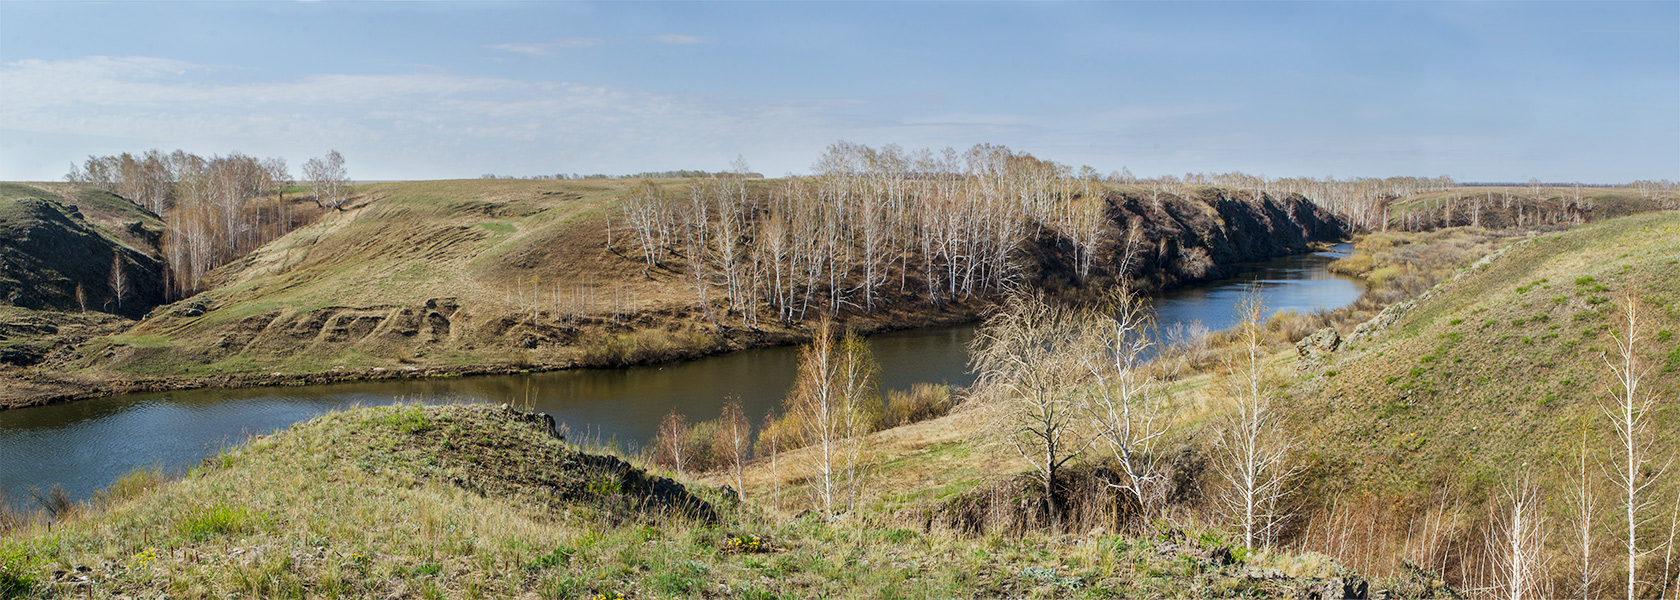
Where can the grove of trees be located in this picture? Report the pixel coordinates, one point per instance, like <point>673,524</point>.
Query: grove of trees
<point>215,209</point>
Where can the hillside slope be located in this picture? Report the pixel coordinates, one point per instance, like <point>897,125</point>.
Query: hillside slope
<point>1489,378</point>
<point>499,275</point>
<point>51,250</point>
<point>480,501</point>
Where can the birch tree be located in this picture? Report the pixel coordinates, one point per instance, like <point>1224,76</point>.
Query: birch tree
<point>735,433</point>
<point>1583,507</point>
<point>861,404</point>
<point>1253,448</point>
<point>1516,543</point>
<point>329,177</point>
<point>828,406</point>
<point>1128,410</point>
<point>119,280</point>
<point>1629,410</point>
<point>671,431</point>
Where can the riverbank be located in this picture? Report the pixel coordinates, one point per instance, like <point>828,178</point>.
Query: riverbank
<point>24,387</point>
<point>424,279</point>
<point>61,443</point>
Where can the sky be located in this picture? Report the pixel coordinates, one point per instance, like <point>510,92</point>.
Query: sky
<point>1479,91</point>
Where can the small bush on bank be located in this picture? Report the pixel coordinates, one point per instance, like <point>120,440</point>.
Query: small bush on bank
<point>924,401</point>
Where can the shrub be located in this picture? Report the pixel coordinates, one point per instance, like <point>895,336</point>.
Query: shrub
<point>16,564</point>
<point>698,443</point>
<point>924,401</point>
<point>1382,276</point>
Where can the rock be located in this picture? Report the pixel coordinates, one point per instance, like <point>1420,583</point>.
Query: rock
<point>191,309</point>
<point>1221,556</point>
<point>1355,589</point>
<point>1314,350</point>
<point>1335,588</point>
<point>1385,319</point>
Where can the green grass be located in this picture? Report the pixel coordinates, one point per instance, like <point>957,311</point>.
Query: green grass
<point>362,504</point>
<point>1411,416</point>
<point>205,523</point>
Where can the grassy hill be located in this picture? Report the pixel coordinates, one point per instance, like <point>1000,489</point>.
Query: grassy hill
<point>1407,432</point>
<point>479,501</point>
<point>56,258</point>
<point>52,249</point>
<point>427,277</point>
<point>1491,377</point>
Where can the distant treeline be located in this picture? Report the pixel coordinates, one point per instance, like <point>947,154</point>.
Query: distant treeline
<point>679,174</point>
<point>1662,184</point>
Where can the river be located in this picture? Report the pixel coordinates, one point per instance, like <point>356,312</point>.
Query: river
<point>88,444</point>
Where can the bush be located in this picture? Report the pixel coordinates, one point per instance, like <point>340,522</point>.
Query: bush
<point>16,566</point>
<point>924,401</point>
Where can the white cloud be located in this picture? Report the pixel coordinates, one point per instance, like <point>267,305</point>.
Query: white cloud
<point>434,124</point>
<point>419,124</point>
<point>677,38</point>
<point>547,48</point>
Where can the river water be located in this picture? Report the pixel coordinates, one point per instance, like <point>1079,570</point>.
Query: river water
<point>86,445</point>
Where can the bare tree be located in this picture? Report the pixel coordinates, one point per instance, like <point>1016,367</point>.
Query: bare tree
<point>1516,542</point>
<point>770,444</point>
<point>644,208</point>
<point>119,279</point>
<point>1027,353</point>
<point>819,409</point>
<point>329,178</point>
<point>1583,505</point>
<point>670,448</point>
<point>736,438</point>
<point>861,404</point>
<point>1253,447</point>
<point>1629,411</point>
<point>1128,409</point>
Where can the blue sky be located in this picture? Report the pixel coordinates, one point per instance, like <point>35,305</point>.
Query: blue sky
<point>1481,91</point>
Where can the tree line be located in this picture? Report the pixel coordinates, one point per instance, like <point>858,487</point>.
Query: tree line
<point>870,227</point>
<point>214,209</point>
<point>875,226</point>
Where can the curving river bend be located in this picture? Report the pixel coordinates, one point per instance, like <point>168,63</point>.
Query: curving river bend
<point>88,444</point>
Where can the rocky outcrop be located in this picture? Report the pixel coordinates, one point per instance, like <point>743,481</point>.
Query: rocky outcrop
<point>1314,350</point>
<point>1194,236</point>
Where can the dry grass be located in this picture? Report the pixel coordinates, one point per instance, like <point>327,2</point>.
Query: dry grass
<point>377,503</point>
<point>1493,375</point>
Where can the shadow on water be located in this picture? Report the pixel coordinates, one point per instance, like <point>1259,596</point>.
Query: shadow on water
<point>86,445</point>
